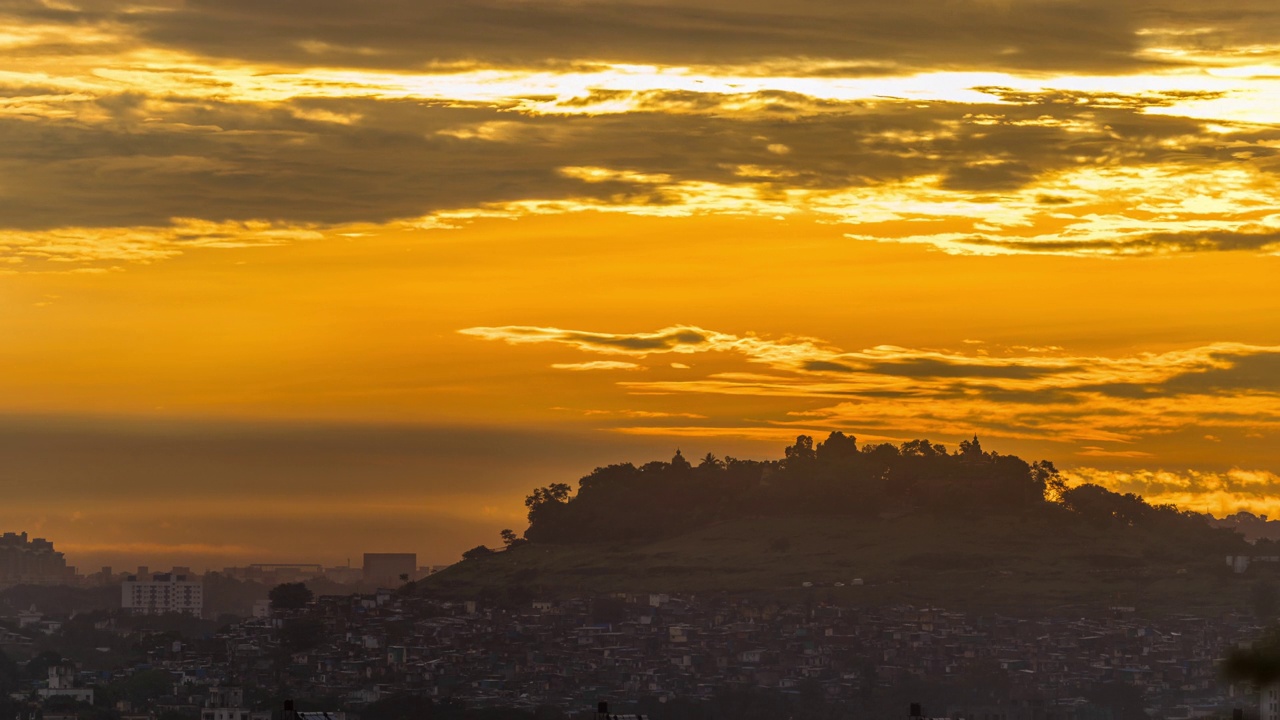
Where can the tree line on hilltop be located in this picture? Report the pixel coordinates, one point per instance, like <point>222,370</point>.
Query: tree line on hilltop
<point>835,477</point>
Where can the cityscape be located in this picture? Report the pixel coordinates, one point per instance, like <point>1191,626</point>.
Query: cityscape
<point>639,360</point>
<point>379,638</point>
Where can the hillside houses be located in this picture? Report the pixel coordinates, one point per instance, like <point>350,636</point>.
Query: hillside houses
<point>562,654</point>
<point>574,653</point>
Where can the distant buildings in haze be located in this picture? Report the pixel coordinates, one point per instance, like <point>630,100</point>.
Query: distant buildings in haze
<point>390,568</point>
<point>32,562</point>
<point>162,593</point>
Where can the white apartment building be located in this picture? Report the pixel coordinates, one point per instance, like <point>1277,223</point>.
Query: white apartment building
<point>227,703</point>
<point>163,593</point>
<point>63,683</point>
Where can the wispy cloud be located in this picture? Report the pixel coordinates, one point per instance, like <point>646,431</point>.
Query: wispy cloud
<point>72,247</point>
<point>598,365</point>
<point>674,339</point>
<point>1104,405</point>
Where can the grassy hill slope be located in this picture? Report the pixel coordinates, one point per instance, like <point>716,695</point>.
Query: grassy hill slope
<point>996,563</point>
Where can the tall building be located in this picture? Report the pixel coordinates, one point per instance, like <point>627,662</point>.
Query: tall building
<point>386,568</point>
<point>33,562</point>
<point>163,593</point>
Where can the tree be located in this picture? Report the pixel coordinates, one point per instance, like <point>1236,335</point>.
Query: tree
<point>1124,700</point>
<point>922,448</point>
<point>553,493</point>
<point>143,686</point>
<point>37,668</point>
<point>10,674</point>
<point>1102,506</point>
<point>477,552</point>
<point>800,453</point>
<point>548,507</point>
<point>510,539</point>
<point>1047,477</point>
<point>837,448</point>
<point>290,596</point>
<point>301,634</point>
<point>1259,664</point>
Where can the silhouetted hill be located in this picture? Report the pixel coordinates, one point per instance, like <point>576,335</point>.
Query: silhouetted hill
<point>909,523</point>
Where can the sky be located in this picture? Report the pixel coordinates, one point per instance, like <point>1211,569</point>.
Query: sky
<point>295,281</point>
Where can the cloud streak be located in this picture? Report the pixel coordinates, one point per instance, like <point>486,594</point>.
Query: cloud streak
<point>598,365</point>
<point>1101,406</point>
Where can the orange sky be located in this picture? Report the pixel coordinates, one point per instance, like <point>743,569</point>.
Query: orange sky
<point>285,285</point>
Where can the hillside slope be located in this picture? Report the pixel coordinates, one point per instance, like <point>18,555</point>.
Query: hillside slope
<point>1032,562</point>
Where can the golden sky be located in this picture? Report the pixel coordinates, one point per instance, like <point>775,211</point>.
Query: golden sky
<point>302,280</point>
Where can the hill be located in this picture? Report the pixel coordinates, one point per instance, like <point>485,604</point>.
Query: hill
<point>881,524</point>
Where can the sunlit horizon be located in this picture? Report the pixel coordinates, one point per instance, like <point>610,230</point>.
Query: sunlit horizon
<point>295,286</point>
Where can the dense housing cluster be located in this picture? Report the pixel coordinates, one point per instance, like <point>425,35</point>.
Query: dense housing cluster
<point>683,656</point>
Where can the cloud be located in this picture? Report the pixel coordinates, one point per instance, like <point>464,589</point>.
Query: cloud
<point>58,249</point>
<point>1112,407</point>
<point>673,339</point>
<point>643,414</point>
<point>1252,237</point>
<point>394,34</point>
<point>285,164</point>
<point>1092,451</point>
<point>598,365</point>
<point>123,116</point>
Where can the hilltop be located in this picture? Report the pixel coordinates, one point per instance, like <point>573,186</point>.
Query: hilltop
<point>877,524</point>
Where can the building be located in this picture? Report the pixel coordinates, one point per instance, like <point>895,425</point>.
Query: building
<point>33,562</point>
<point>163,593</point>
<point>387,568</point>
<point>1269,702</point>
<point>275,573</point>
<point>63,683</point>
<point>344,574</point>
<point>227,703</point>
<point>262,608</point>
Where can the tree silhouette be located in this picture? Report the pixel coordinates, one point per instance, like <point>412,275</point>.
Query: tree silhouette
<point>289,596</point>
<point>1258,664</point>
<point>802,452</point>
<point>477,552</point>
<point>834,478</point>
<point>511,540</point>
<point>837,449</point>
